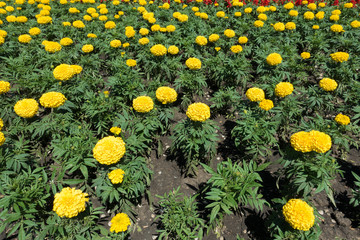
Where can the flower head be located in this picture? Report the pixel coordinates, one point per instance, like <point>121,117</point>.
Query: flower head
<point>66,41</point>
<point>340,119</point>
<point>4,87</point>
<point>309,15</point>
<point>115,43</point>
<point>279,26</point>
<point>115,130</point>
<point>328,84</point>
<point>290,26</point>
<point>116,176</point>
<point>201,40</point>
<point>274,59</point>
<point>87,48</point>
<point>193,63</point>
<point>355,24</point>
<point>214,37</point>
<point>337,28</point>
<point>52,99</point>
<point>143,104</point>
<point>173,50</point>
<point>255,94</point>
<point>52,47</point>
<point>321,141</point>
<point>198,112</point>
<point>120,223</point>
<point>339,56</point>
<point>78,24</point>
<point>64,72</point>
<point>305,55</point>
<point>109,150</point>
<point>299,214</point>
<point>26,108</point>
<point>70,202</point>
<point>131,62</point>
<point>266,104</point>
<point>158,50</point>
<point>283,89</point>
<point>236,48</point>
<point>166,95</point>
<point>2,138</point>
<point>301,142</point>
<point>24,38</point>
<point>34,31</point>
<point>229,33</point>
<point>242,40</point>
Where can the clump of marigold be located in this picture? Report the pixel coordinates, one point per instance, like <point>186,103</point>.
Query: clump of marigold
<point>109,150</point>
<point>115,130</point>
<point>120,223</point>
<point>255,94</point>
<point>52,100</point>
<point>26,108</point>
<point>78,24</point>
<point>34,31</point>
<point>299,214</point>
<point>305,55</point>
<point>290,26</point>
<point>229,33</point>
<point>131,62</point>
<point>66,41</point>
<point>24,38</point>
<point>283,89</point>
<point>173,50</point>
<point>328,84</point>
<point>340,119</point>
<point>337,28</point>
<point>198,112</point>
<point>355,24</point>
<point>64,72</point>
<point>193,63</point>
<point>321,141</point>
<point>158,50</point>
<point>279,26</point>
<point>87,48</point>
<point>4,87</point>
<point>115,43</point>
<point>70,202</point>
<point>214,37</point>
<point>2,138</point>
<point>143,104</point>
<point>274,59</point>
<point>266,104</point>
<point>309,15</point>
<point>201,40</point>
<point>242,40</point>
<point>116,176</point>
<point>129,32</point>
<point>166,95</point>
<point>301,142</point>
<point>236,49</point>
<point>339,56</point>
<point>52,47</point>
<point>110,25</point>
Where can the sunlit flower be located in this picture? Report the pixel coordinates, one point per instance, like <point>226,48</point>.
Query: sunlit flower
<point>290,26</point>
<point>34,31</point>
<point>229,33</point>
<point>342,119</point>
<point>214,37</point>
<point>70,202</point>
<point>158,50</point>
<point>87,48</point>
<point>198,112</point>
<point>309,15</point>
<point>283,89</point>
<point>255,94</point>
<point>193,63</point>
<point>24,38</point>
<point>266,104</point>
<point>109,150</point>
<point>299,214</point>
<point>120,223</point>
<point>131,62</point>
<point>339,56</point>
<point>66,41</point>
<point>4,87</point>
<point>52,100</point>
<point>236,48</point>
<point>115,43</point>
<point>328,84</point>
<point>173,50</point>
<point>26,108</point>
<point>274,59</point>
<point>143,104</point>
<point>116,176</point>
<point>115,130</point>
<point>201,40</point>
<point>258,23</point>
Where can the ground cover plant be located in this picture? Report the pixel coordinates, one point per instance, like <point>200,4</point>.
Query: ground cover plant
<point>255,104</point>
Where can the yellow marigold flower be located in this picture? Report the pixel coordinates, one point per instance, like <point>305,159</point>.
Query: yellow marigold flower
<point>339,56</point>
<point>66,41</point>
<point>104,11</point>
<point>283,89</point>
<point>158,50</point>
<point>262,17</point>
<point>274,59</point>
<point>78,24</point>
<point>302,142</point>
<point>201,40</point>
<point>198,112</point>
<point>220,14</point>
<point>65,24</point>
<point>183,18</point>
<point>70,202</point>
<point>305,55</point>
<point>52,100</point>
<point>272,8</point>
<point>248,10</point>
<point>115,43</point>
<point>309,15</point>
<point>24,38</point>
<point>336,12</point>
<point>125,45</point>
<point>320,15</point>
<point>143,104</point>
<point>144,41</point>
<point>328,84</point>
<point>2,138</point>
<point>261,9</point>
<point>115,130</point>
<point>195,9</point>
<point>21,19</point>
<point>229,33</point>
<point>74,10</point>
<point>321,141</point>
<point>293,13</point>
<point>116,176</point>
<point>2,40</point>
<point>52,47</point>
<point>129,32</point>
<point>166,95</point>
<point>290,26</point>
<point>203,15</point>
<point>355,24</point>
<point>1,123</point>
<point>242,40</point>
<point>315,27</point>
<point>87,48</point>
<point>26,108</point>
<point>348,5</point>
<point>176,14</point>
<point>214,37</point>
<point>193,63</point>
<point>311,6</point>
<point>34,31</point>
<point>173,50</point>
<point>337,28</point>
<point>299,214</point>
<point>155,27</point>
<point>3,33</point>
<point>110,25</point>
<point>266,104</point>
<point>236,48</point>
<point>279,26</point>
<point>340,119</point>
<point>334,18</point>
<point>4,87</point>
<point>237,14</point>
<point>322,4</point>
<point>44,20</point>
<point>11,18</point>
<point>101,18</point>
<point>109,150</point>
<point>255,94</point>
<point>217,48</point>
<point>170,28</point>
<point>131,62</point>
<point>64,72</point>
<point>91,10</point>
<point>120,223</point>
<point>258,23</point>
<point>289,5</point>
<point>144,31</point>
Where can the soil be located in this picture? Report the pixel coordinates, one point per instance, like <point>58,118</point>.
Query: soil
<point>340,222</point>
